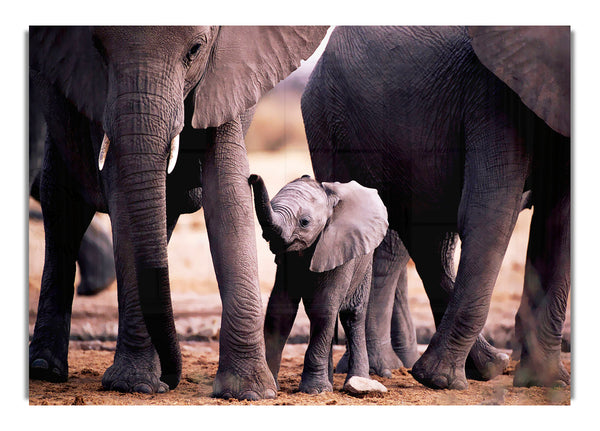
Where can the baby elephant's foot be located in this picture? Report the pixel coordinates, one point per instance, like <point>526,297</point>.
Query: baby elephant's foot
<point>436,370</point>
<point>549,373</point>
<point>139,372</point>
<point>357,385</point>
<point>485,361</point>
<point>311,384</point>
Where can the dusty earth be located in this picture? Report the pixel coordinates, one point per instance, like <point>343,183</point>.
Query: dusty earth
<point>197,312</point>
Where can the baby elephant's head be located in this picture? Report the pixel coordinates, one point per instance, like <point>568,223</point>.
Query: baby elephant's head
<point>346,220</point>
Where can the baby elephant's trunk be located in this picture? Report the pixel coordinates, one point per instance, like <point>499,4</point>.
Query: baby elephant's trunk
<point>264,211</point>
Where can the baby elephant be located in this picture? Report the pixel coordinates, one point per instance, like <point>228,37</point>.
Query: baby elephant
<point>323,236</point>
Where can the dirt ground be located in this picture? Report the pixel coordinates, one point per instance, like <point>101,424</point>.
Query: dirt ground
<point>88,360</point>
<point>197,312</point>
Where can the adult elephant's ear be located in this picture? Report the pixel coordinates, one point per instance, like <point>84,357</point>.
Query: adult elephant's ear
<point>536,63</point>
<point>68,59</point>
<point>356,227</point>
<point>246,62</point>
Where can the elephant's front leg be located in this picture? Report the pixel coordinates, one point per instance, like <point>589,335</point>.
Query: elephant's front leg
<point>281,313</point>
<point>243,372</point>
<point>322,306</point>
<point>66,217</point>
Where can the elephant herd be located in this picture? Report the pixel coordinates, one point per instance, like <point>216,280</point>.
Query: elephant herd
<point>418,136</point>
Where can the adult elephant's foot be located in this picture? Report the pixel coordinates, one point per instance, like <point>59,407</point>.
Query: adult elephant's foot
<point>253,382</point>
<point>438,370</point>
<point>485,361</point>
<point>135,371</point>
<point>545,371</point>
<point>315,384</point>
<point>48,354</point>
<point>44,365</point>
<point>382,360</point>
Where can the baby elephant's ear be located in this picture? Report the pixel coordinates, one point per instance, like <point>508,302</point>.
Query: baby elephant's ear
<point>357,226</point>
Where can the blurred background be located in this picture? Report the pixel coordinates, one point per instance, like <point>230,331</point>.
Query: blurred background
<point>277,151</point>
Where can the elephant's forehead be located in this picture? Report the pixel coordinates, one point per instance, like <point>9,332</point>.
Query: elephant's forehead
<point>154,35</point>
<point>300,196</point>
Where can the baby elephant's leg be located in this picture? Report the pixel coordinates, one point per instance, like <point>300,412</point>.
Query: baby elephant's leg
<point>352,317</point>
<point>316,375</point>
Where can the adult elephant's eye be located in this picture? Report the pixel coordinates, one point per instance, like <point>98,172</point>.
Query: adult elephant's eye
<point>304,222</point>
<point>194,49</point>
<point>193,52</point>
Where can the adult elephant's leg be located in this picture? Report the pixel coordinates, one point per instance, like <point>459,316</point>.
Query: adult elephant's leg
<point>96,261</point>
<point>281,313</point>
<point>66,217</point>
<point>243,372</point>
<point>541,315</point>
<point>495,168</point>
<point>389,262</point>
<point>434,254</point>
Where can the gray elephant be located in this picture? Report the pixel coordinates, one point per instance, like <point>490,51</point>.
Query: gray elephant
<point>452,128</point>
<point>120,104</point>
<point>323,236</point>
<point>95,255</point>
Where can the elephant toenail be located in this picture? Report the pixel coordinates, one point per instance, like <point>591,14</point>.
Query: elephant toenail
<point>439,382</point>
<point>386,373</point>
<point>40,363</point>
<point>250,396</point>
<point>270,394</point>
<point>459,385</point>
<point>144,388</point>
<point>162,388</point>
<point>559,384</point>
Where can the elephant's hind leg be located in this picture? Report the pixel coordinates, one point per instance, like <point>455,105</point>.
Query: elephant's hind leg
<point>66,217</point>
<point>540,319</point>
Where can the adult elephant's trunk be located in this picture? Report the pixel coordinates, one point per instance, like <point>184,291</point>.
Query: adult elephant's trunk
<point>264,211</point>
<point>136,170</point>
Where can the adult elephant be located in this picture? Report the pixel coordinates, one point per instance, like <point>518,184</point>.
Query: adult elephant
<point>451,128</point>
<point>120,104</point>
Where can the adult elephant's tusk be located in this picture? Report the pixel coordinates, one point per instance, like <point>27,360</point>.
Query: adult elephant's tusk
<point>103,151</point>
<point>173,155</point>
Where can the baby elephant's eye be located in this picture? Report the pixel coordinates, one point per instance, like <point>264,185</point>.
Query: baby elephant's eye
<point>304,222</point>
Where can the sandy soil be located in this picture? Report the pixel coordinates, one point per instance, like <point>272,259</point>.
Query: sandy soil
<point>88,360</point>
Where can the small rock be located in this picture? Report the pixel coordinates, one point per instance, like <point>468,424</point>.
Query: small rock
<point>362,385</point>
